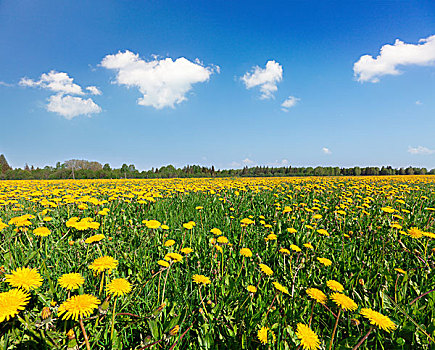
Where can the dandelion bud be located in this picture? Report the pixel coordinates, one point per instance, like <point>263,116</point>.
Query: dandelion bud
<point>174,331</point>
<point>45,313</point>
<point>354,322</point>
<point>361,281</point>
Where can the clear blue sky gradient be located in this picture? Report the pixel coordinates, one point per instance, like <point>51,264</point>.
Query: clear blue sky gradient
<point>222,123</point>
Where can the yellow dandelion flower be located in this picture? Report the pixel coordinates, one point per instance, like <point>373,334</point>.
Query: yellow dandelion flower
<point>295,248</point>
<point>187,250</point>
<point>222,240</point>
<point>284,251</point>
<point>94,238</point>
<point>104,263</point>
<point>169,243</point>
<point>323,232</point>
<point>325,261</point>
<point>246,252</point>
<point>309,246</point>
<point>118,287</point>
<point>201,279</point>
<point>262,335</point>
<point>378,319</point>
<point>291,230</point>
<point>344,301</point>
<point>309,339</point>
<point>163,263</point>
<point>266,269</point>
<point>280,287</point>
<point>41,231</point>
<point>173,257</point>
<point>400,271</point>
<point>152,224</point>
<point>271,237</point>
<point>25,278</point>
<point>71,281</point>
<point>12,302</point>
<point>415,232</point>
<point>216,231</point>
<point>335,286</point>
<point>317,295</point>
<point>78,306</point>
<point>251,289</point>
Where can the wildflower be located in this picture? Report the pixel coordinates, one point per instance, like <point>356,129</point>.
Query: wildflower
<point>118,287</point>
<point>71,281</point>
<point>169,243</point>
<point>280,287</point>
<point>25,278</point>
<point>271,237</point>
<point>222,240</point>
<point>45,313</point>
<point>187,250</point>
<point>216,231</point>
<point>201,279</point>
<point>12,302</point>
<point>104,263</point>
<point>295,248</point>
<point>325,261</point>
<point>428,234</point>
<point>247,221</point>
<point>246,252</point>
<point>163,263</point>
<point>378,319</point>
<point>415,232</point>
<point>400,271</point>
<point>388,210</point>
<point>173,257</point>
<point>309,339</point>
<point>189,225</point>
<point>251,289</point>
<point>94,238</point>
<point>335,286</point>
<point>164,227</point>
<point>41,231</point>
<point>262,335</point>
<point>323,232</point>
<point>266,269</point>
<point>174,330</point>
<point>317,295</point>
<point>308,245</point>
<point>291,230</point>
<point>78,306</point>
<point>284,251</point>
<point>153,224</point>
<point>344,301</point>
<point>199,207</point>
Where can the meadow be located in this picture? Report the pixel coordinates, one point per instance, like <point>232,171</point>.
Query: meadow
<point>240,263</point>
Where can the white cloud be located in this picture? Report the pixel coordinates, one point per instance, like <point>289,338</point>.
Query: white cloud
<point>326,150</point>
<point>2,83</point>
<point>54,81</point>
<point>94,90</point>
<point>163,83</point>
<point>418,103</point>
<point>265,78</point>
<point>285,162</point>
<point>420,150</point>
<point>70,106</point>
<point>369,69</point>
<point>247,161</point>
<point>290,102</point>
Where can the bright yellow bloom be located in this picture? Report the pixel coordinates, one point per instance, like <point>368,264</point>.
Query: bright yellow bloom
<point>152,224</point>
<point>280,287</point>
<point>201,279</point>
<point>291,230</point>
<point>266,269</point>
<point>169,243</point>
<point>222,240</point>
<point>378,319</point>
<point>344,301</point>
<point>187,250</point>
<point>325,261</point>
<point>173,257</point>
<point>78,306</point>
<point>163,263</point>
<point>94,238</point>
<point>71,281</point>
<point>308,245</point>
<point>25,278</point>
<point>284,251</point>
<point>335,286</point>
<point>11,302</point>
<point>104,263</point>
<point>323,232</point>
<point>189,225</point>
<point>251,289</point>
<point>400,271</point>
<point>118,287</point>
<point>271,237</point>
<point>216,231</point>
<point>317,295</point>
<point>415,232</point>
<point>246,252</point>
<point>295,248</point>
<point>262,335</point>
<point>309,339</point>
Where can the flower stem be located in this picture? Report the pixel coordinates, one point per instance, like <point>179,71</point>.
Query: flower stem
<point>113,319</point>
<point>88,347</point>
<point>335,328</point>
<point>363,339</point>
<point>312,311</point>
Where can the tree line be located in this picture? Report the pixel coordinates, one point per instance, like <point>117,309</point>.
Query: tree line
<point>84,169</point>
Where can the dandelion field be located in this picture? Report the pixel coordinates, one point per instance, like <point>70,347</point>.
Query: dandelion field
<point>280,263</point>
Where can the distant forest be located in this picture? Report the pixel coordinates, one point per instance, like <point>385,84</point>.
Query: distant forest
<point>83,169</point>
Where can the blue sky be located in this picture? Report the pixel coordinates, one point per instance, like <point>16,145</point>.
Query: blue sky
<point>204,82</point>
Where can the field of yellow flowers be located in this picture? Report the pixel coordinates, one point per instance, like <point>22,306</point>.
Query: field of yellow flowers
<point>279,263</point>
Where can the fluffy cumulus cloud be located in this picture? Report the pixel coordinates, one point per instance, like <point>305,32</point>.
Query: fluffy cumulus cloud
<point>326,150</point>
<point>266,78</point>
<point>72,106</point>
<point>162,82</point>
<point>391,57</point>
<point>290,102</point>
<point>63,102</point>
<point>420,150</point>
